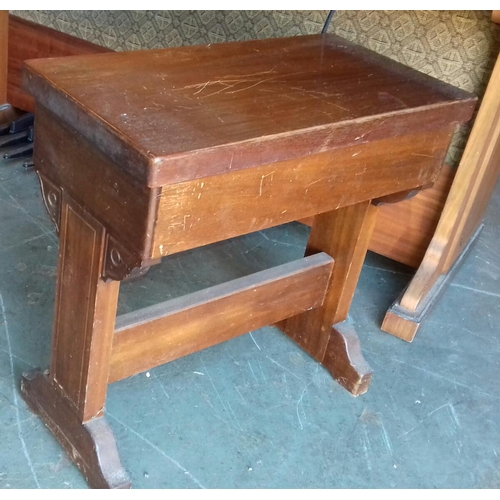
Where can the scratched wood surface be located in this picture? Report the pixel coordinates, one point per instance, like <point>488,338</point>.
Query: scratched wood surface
<point>172,115</point>
<point>391,236</point>
<point>198,212</point>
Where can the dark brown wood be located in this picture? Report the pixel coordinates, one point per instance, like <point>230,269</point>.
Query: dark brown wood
<point>27,40</point>
<point>125,208</point>
<point>51,195</point>
<point>83,334</point>
<point>344,359</point>
<point>402,233</point>
<point>72,396</point>
<point>90,445</point>
<point>396,197</point>
<point>164,332</point>
<point>161,151</point>
<point>4,27</point>
<point>215,208</point>
<point>343,234</point>
<point>253,103</point>
<point>404,230</point>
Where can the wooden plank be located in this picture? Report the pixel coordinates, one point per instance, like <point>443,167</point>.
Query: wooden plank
<point>469,195</point>
<point>29,40</point>
<point>203,211</point>
<point>82,335</point>
<point>4,41</point>
<point>164,332</point>
<point>172,115</point>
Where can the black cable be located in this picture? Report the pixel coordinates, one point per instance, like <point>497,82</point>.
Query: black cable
<point>327,22</point>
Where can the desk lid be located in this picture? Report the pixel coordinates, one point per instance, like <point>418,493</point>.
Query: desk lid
<point>177,114</point>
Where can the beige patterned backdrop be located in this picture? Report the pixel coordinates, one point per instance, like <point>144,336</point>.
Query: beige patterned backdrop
<point>459,47</point>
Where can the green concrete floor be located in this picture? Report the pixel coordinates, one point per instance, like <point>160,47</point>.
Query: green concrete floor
<point>258,412</point>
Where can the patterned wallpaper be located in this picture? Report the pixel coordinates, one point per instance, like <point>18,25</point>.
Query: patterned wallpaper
<point>459,47</point>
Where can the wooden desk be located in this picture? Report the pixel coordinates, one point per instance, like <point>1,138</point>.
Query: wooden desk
<point>145,154</point>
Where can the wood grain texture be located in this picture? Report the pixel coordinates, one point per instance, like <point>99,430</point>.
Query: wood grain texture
<point>343,234</point>
<point>469,195</point>
<point>85,313</point>
<point>29,40</point>
<point>125,208</point>
<point>4,51</point>
<point>212,209</point>
<point>403,231</point>
<point>253,103</point>
<point>403,323</point>
<point>164,332</point>
<point>90,445</point>
<point>344,359</point>
<point>306,125</point>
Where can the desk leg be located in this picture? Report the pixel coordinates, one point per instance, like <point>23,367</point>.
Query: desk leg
<point>343,234</point>
<point>70,398</point>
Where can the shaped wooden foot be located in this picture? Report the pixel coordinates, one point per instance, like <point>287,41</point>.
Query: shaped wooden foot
<point>91,445</point>
<point>344,235</point>
<point>344,360</point>
<point>403,322</point>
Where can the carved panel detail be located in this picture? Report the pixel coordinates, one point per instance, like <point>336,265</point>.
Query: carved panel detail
<point>121,263</point>
<point>51,195</point>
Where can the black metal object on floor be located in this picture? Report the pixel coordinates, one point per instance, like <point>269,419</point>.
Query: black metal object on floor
<point>18,132</point>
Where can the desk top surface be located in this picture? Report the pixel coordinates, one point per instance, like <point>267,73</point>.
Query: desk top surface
<point>171,115</point>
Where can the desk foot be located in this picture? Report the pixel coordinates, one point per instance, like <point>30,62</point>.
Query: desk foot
<point>403,322</point>
<point>343,234</point>
<point>345,361</point>
<point>91,445</point>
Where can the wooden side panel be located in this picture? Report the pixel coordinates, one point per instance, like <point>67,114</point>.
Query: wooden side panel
<point>404,230</point>
<point>4,29</point>
<point>203,211</point>
<point>168,331</point>
<point>469,194</point>
<point>85,313</point>
<point>125,208</point>
<point>28,40</point>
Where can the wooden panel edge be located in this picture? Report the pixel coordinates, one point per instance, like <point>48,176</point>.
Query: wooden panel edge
<point>4,43</point>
